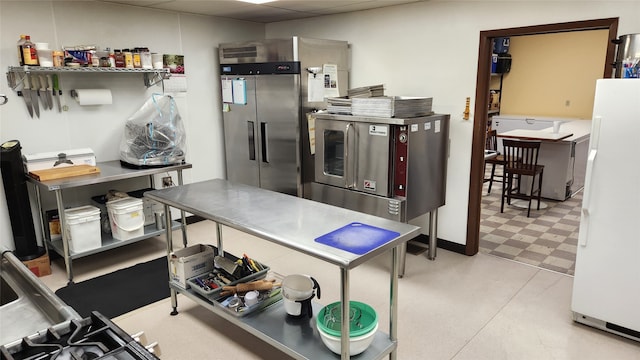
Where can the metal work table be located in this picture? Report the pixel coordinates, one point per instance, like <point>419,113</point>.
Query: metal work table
<point>109,171</point>
<point>294,223</point>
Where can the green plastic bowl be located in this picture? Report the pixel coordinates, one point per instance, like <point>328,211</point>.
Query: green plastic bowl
<point>363,319</point>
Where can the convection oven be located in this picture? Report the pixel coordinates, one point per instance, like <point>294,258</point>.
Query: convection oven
<point>389,167</point>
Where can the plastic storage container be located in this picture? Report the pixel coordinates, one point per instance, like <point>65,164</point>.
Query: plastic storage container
<point>83,228</point>
<point>126,217</point>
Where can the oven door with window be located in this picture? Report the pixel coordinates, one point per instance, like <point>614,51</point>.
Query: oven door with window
<point>354,155</point>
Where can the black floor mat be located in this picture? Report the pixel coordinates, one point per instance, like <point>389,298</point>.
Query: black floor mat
<point>121,291</point>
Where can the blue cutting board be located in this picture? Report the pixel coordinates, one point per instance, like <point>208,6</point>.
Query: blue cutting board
<point>357,238</point>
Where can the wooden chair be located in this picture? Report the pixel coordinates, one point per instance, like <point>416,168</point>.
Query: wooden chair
<point>521,159</point>
<point>491,143</point>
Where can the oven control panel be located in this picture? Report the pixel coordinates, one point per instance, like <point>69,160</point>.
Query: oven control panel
<point>400,161</point>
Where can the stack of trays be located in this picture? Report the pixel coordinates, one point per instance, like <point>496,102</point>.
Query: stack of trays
<point>392,106</point>
<point>366,91</point>
<point>339,105</point>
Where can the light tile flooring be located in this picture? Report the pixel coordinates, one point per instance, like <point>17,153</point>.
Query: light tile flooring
<point>546,239</point>
<point>456,307</point>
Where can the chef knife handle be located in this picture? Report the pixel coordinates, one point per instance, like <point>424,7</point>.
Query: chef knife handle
<point>27,84</point>
<point>54,80</point>
<point>35,83</point>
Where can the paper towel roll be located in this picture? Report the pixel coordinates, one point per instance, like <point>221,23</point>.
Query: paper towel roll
<point>93,96</point>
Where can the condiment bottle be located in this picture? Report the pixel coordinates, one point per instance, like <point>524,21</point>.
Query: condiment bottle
<point>119,58</point>
<point>145,58</point>
<point>128,59</point>
<point>112,58</point>
<point>20,55</point>
<point>137,63</point>
<point>95,58</point>
<point>58,58</point>
<point>29,52</point>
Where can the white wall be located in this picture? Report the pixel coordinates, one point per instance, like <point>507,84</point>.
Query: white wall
<point>100,128</point>
<point>431,49</point>
<point>423,49</point>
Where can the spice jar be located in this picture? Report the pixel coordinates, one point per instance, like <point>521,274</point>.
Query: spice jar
<point>58,58</point>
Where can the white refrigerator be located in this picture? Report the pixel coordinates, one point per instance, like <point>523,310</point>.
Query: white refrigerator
<point>606,289</point>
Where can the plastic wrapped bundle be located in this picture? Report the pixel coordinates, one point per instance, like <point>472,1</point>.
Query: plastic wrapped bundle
<point>154,135</point>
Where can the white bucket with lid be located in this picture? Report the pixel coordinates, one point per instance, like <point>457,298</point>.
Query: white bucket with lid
<point>83,228</point>
<point>126,216</point>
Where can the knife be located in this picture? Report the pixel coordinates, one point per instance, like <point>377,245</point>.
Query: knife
<point>26,95</point>
<point>45,88</point>
<point>56,90</point>
<point>34,95</point>
<point>42,91</point>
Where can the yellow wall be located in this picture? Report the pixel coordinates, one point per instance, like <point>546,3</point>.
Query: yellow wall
<point>554,74</point>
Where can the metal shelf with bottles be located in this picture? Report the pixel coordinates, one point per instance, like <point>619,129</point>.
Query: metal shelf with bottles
<point>16,74</point>
<point>500,65</point>
<point>498,71</point>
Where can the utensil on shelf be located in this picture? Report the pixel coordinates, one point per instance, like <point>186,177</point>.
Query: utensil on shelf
<point>26,95</point>
<point>35,84</point>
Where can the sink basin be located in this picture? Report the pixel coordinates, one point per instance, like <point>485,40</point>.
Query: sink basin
<point>7,294</point>
<point>26,304</point>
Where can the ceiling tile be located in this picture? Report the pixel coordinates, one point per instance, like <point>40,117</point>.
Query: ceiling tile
<point>280,10</point>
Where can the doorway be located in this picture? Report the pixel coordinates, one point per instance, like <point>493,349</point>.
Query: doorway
<point>482,101</point>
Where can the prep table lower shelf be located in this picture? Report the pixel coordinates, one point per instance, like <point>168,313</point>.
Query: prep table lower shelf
<point>298,338</point>
<point>108,242</point>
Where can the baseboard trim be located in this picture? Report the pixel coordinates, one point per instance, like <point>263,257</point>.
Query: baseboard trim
<point>451,246</point>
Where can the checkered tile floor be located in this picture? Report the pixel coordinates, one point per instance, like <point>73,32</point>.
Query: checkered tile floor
<point>547,239</point>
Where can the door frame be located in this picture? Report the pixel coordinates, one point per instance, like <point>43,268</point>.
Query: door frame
<point>482,101</point>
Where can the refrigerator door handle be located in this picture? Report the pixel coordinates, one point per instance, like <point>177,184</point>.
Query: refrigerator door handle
<point>586,198</point>
<point>264,142</point>
<point>252,140</point>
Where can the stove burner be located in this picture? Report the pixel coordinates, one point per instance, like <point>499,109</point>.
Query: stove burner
<point>95,337</point>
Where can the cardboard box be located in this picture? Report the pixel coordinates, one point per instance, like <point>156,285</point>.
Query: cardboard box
<point>190,262</point>
<point>40,266</point>
<point>53,219</point>
<point>56,159</point>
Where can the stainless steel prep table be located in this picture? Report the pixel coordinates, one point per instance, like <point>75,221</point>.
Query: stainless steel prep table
<point>294,223</point>
<point>109,171</point>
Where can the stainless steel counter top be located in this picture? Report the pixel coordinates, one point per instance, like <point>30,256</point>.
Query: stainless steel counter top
<point>109,171</point>
<point>27,305</point>
<point>283,219</point>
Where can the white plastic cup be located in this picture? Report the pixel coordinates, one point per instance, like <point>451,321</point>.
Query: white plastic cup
<point>45,57</point>
<point>156,60</point>
<point>556,126</point>
<point>42,46</point>
<point>251,298</point>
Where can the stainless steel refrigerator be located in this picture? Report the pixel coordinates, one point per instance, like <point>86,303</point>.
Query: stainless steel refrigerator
<point>606,285</point>
<point>268,88</point>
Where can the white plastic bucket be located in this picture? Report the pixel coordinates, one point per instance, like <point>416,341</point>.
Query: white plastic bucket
<point>83,228</point>
<point>126,216</point>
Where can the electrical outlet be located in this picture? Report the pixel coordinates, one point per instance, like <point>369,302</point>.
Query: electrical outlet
<point>167,181</point>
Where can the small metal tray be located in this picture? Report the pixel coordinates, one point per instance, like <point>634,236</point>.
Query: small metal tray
<point>266,298</point>
<point>205,284</point>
